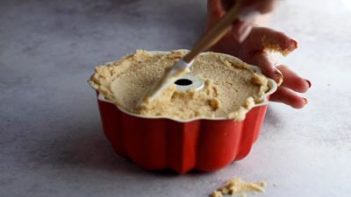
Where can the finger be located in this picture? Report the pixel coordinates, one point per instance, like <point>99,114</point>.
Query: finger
<point>262,60</point>
<point>215,9</point>
<point>265,38</point>
<point>288,97</point>
<point>215,12</point>
<point>227,4</point>
<point>294,81</point>
<point>241,30</point>
<point>244,32</point>
<point>249,17</point>
<point>263,6</point>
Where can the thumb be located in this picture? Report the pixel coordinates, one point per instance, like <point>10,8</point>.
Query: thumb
<point>215,11</point>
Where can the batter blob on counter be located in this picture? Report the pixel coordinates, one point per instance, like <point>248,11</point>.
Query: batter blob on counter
<point>237,187</point>
<point>231,87</point>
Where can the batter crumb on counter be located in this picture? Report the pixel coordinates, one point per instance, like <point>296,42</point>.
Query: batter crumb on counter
<point>238,187</point>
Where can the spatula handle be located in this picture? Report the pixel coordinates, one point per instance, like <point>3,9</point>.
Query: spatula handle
<point>215,33</point>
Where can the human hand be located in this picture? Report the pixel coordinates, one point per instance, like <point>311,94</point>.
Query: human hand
<point>254,49</point>
<point>250,10</point>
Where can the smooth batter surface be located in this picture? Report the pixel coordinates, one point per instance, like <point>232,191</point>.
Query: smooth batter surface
<point>231,86</point>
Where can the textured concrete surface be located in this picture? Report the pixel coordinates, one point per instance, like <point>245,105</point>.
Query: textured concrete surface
<point>51,142</point>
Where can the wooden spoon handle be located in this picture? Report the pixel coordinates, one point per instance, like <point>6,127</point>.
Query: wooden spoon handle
<point>215,33</point>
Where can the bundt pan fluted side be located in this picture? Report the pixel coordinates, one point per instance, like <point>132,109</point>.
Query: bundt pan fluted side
<point>182,146</point>
<point>160,142</point>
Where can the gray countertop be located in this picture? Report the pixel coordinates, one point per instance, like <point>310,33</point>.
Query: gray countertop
<point>51,143</point>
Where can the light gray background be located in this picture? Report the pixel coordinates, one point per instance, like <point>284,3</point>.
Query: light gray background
<point>51,142</point>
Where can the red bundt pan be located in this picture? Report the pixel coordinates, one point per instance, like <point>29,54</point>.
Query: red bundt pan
<point>161,143</point>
